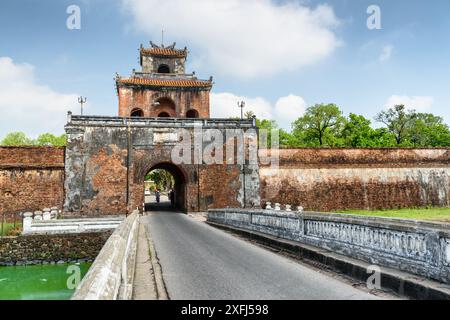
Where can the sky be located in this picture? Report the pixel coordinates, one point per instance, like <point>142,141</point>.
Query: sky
<point>280,56</point>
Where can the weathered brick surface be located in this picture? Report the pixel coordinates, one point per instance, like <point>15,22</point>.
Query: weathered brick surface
<point>365,158</point>
<point>26,157</point>
<point>31,178</point>
<point>331,179</point>
<point>131,98</point>
<point>103,155</point>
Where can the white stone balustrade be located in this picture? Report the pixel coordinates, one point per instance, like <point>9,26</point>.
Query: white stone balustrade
<point>288,207</point>
<point>38,216</point>
<point>53,214</point>
<point>46,215</point>
<point>277,207</point>
<point>268,205</point>
<point>414,246</point>
<point>27,221</point>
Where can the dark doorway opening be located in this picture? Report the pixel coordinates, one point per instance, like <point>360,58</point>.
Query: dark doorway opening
<point>137,113</point>
<point>167,182</point>
<point>164,68</point>
<point>163,115</point>
<point>192,114</point>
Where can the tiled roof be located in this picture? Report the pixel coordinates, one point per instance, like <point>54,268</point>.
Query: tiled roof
<point>164,52</point>
<point>184,83</point>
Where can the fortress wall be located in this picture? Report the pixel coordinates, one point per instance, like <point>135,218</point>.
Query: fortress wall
<point>31,178</point>
<point>331,179</point>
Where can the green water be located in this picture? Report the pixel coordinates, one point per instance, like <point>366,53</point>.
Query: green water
<point>40,282</point>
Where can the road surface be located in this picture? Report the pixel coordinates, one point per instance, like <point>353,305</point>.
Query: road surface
<point>202,262</point>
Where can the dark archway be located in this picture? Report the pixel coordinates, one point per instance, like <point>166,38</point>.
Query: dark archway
<point>164,107</point>
<point>164,68</point>
<point>137,113</point>
<point>192,114</point>
<point>178,184</point>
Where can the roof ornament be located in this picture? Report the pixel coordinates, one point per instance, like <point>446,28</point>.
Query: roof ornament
<point>153,45</point>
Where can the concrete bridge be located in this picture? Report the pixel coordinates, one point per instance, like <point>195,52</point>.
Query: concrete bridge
<point>191,259</point>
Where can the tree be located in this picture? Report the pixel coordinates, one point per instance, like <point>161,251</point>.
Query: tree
<point>249,115</point>
<point>319,125</point>
<point>358,133</point>
<point>428,130</point>
<point>397,121</point>
<point>16,139</point>
<point>162,178</point>
<point>48,139</point>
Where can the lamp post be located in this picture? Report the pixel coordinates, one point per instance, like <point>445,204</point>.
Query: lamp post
<point>81,101</point>
<point>242,106</point>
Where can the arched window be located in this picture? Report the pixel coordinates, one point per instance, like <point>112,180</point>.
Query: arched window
<point>163,115</point>
<point>164,68</point>
<point>192,114</point>
<point>138,113</point>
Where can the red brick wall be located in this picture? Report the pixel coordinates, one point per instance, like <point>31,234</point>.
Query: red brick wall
<point>331,179</point>
<point>184,100</point>
<point>31,178</point>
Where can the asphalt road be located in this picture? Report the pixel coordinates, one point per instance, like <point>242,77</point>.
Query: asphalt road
<point>202,262</point>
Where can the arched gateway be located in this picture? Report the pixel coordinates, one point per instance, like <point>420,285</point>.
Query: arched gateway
<point>107,158</point>
<point>180,183</point>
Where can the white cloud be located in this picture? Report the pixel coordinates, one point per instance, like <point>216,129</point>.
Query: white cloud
<point>419,103</point>
<point>244,38</point>
<point>287,109</point>
<point>386,53</point>
<point>284,111</point>
<point>28,106</point>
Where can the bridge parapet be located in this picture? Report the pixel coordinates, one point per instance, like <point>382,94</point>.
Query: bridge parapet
<point>112,273</point>
<point>421,248</point>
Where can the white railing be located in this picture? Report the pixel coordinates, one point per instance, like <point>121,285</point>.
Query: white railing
<point>418,247</point>
<point>112,273</point>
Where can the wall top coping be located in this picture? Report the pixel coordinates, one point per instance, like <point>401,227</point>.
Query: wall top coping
<point>80,121</point>
<point>377,222</point>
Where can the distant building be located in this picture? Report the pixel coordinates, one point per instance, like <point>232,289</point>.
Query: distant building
<point>162,88</point>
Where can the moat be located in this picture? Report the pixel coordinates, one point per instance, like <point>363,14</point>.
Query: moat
<point>38,282</point>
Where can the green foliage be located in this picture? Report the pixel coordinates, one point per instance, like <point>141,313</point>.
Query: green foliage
<point>358,133</point>
<point>428,130</point>
<point>319,126</point>
<point>46,139</point>
<point>16,139</point>
<point>398,121</point>
<point>325,126</point>
<point>265,130</point>
<point>434,214</point>
<point>163,180</point>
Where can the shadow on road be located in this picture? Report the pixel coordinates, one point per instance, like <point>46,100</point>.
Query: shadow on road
<point>162,206</point>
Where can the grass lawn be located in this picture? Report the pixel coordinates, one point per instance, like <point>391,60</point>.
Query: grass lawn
<point>433,214</point>
<point>7,227</point>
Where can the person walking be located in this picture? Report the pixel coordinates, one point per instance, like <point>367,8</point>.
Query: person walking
<point>172,198</point>
<point>157,195</point>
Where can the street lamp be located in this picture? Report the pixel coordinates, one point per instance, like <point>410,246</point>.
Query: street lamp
<point>242,106</point>
<point>81,101</point>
